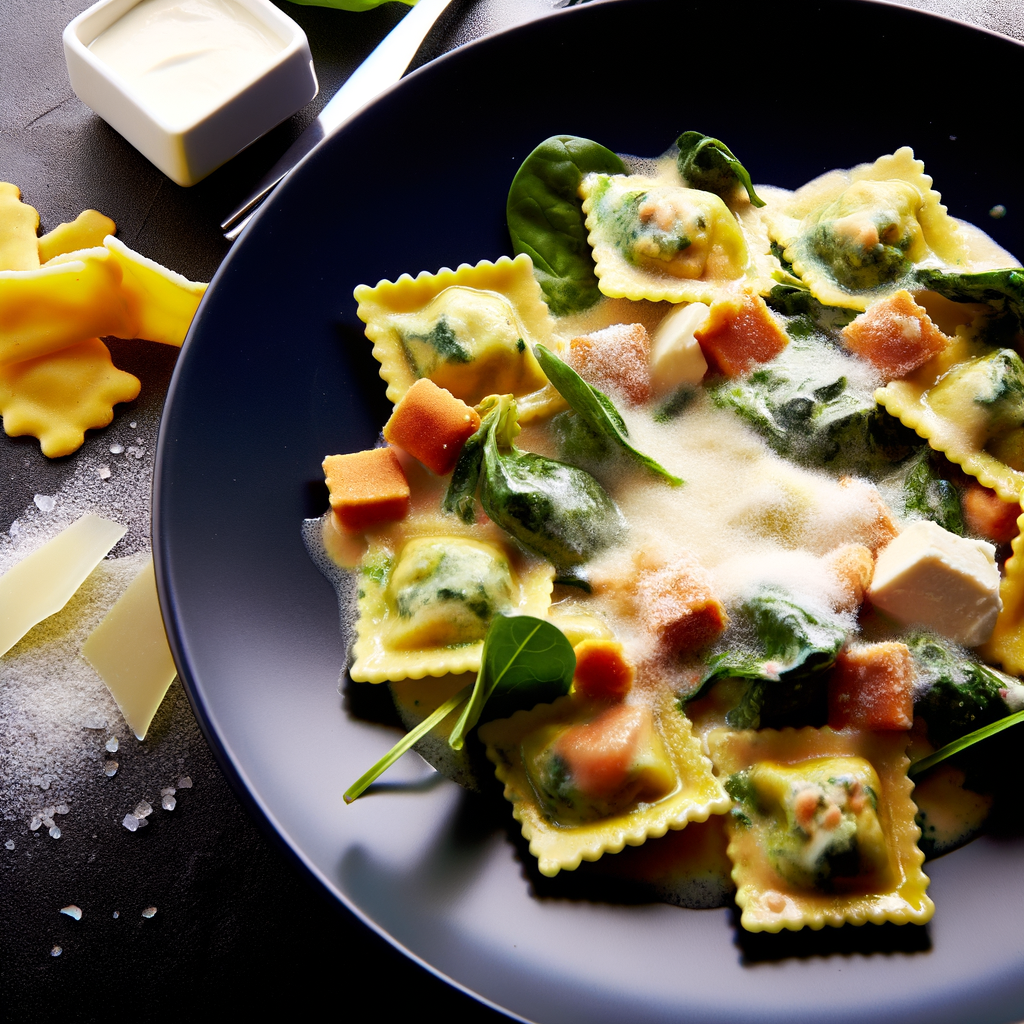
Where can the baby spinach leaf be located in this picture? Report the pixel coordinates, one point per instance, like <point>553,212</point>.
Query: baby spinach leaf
<point>785,653</point>
<point>809,314</point>
<point>709,164</point>
<point>545,218</point>
<point>526,661</point>
<point>595,409</point>
<point>556,510</point>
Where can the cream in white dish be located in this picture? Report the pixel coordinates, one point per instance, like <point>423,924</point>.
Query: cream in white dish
<point>184,58</point>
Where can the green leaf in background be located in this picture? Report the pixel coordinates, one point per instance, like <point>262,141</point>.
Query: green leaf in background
<point>963,743</point>
<point>709,164</point>
<point>526,661</point>
<point>596,410</point>
<point>349,5</point>
<point>545,218</point>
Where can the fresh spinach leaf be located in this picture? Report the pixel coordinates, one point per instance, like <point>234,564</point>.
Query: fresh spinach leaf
<point>596,410</point>
<point>811,315</point>
<point>709,164</point>
<point>784,656</point>
<point>556,510</point>
<point>526,661</point>
<point>545,218</point>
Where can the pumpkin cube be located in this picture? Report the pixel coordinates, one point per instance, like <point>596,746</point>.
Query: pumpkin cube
<point>616,359</point>
<point>603,672</point>
<point>739,332</point>
<point>366,488</point>
<point>871,687</point>
<point>432,425</point>
<point>895,335</point>
<point>988,515</point>
<point>677,606</point>
<point>852,565</point>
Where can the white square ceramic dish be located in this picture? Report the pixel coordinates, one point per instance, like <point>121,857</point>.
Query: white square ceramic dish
<point>188,141</point>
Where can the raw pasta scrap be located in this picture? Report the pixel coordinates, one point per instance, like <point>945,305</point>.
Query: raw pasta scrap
<point>824,828</point>
<point>968,402</point>
<point>856,236</point>
<point>425,602</point>
<point>57,397</point>
<point>578,800</point>
<point>18,225</point>
<point>470,331</point>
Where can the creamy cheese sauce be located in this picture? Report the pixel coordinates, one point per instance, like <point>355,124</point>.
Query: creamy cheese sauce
<point>184,58</point>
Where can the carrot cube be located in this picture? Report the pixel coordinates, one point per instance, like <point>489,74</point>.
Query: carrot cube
<point>895,335</point>
<point>677,606</point>
<point>739,332</point>
<point>988,515</point>
<point>367,488</point>
<point>871,687</point>
<point>432,425</point>
<point>603,672</point>
<point>616,358</point>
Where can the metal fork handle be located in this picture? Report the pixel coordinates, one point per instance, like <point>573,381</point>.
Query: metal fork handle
<point>380,70</point>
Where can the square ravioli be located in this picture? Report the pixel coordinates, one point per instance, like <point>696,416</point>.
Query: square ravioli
<point>471,331</point>
<point>586,778</point>
<point>823,830</point>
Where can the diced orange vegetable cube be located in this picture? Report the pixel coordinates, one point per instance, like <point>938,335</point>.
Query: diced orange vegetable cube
<point>616,358</point>
<point>739,332</point>
<point>871,687</point>
<point>432,425</point>
<point>988,515</point>
<point>883,529</point>
<point>367,488</point>
<point>603,672</point>
<point>853,565</point>
<point>895,335</point>
<point>677,606</point>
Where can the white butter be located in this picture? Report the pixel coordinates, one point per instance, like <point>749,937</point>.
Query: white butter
<point>930,577</point>
<point>129,650</point>
<point>676,358</point>
<point>41,584</point>
<point>185,58</point>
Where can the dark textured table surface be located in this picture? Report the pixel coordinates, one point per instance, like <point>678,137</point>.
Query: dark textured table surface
<point>236,921</point>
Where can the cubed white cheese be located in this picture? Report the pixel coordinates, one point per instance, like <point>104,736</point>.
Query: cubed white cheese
<point>676,358</point>
<point>930,577</point>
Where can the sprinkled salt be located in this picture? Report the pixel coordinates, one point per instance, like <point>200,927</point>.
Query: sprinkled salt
<point>130,822</point>
<point>61,809</point>
<point>45,502</point>
<point>72,911</point>
<point>104,472</point>
<point>9,844</point>
<point>40,781</point>
<point>149,912</point>
<point>116,449</point>
<point>54,832</point>
<point>167,802</point>
<point>143,810</point>
<point>168,791</point>
<point>184,782</point>
<point>136,451</point>
<point>47,821</point>
<point>94,724</point>
<point>133,424</point>
<point>110,769</point>
<point>112,744</point>
<point>56,951</point>
<point>15,528</point>
<point>35,823</point>
<point>117,914</point>
<point>998,211</point>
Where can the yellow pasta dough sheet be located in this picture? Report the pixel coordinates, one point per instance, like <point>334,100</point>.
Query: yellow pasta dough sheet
<point>561,841</point>
<point>471,331</point>
<point>652,238</point>
<point>823,831</point>
<point>888,203</point>
<point>428,592</point>
<point>939,402</point>
<point>1006,645</point>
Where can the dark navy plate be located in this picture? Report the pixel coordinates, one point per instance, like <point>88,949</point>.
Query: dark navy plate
<point>276,374</point>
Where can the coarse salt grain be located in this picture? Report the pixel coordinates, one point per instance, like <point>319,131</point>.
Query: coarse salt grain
<point>110,769</point>
<point>54,832</point>
<point>9,844</point>
<point>116,449</point>
<point>167,802</point>
<point>45,502</point>
<point>143,810</point>
<point>56,951</point>
<point>130,822</point>
<point>61,809</point>
<point>104,472</point>
<point>149,912</point>
<point>184,782</point>
<point>111,744</point>
<point>72,911</point>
